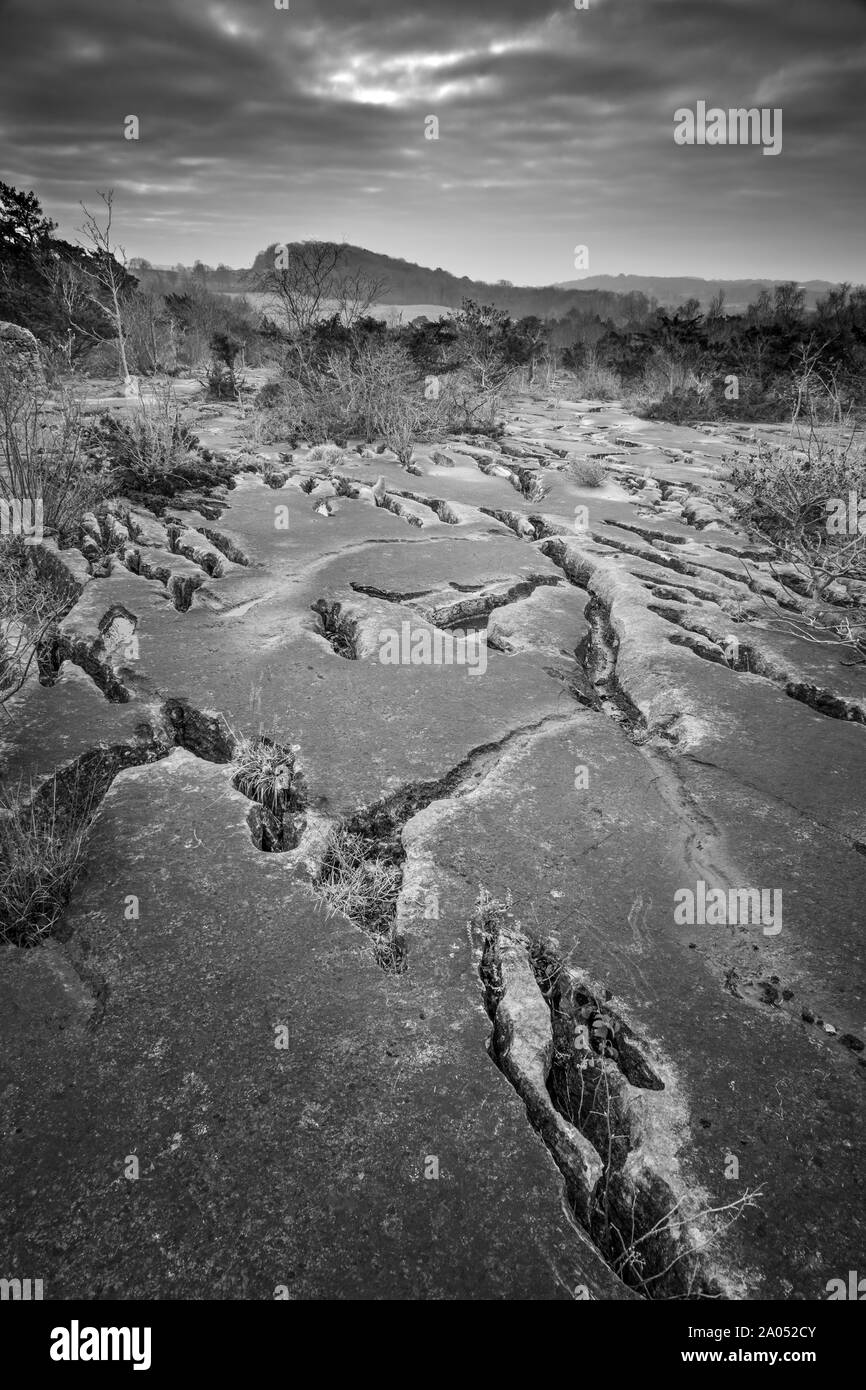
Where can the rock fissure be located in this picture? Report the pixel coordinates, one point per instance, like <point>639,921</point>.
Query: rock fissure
<point>362,869</point>
<point>587,1081</point>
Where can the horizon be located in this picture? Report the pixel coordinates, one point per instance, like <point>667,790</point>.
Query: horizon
<point>555,131</point>
<point>574,282</point>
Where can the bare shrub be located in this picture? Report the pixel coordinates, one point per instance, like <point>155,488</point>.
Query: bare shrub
<point>42,846</point>
<point>789,494</point>
<point>784,492</point>
<point>593,382</point>
<point>370,392</point>
<point>221,379</point>
<point>464,407</point>
<point>586,472</point>
<point>32,602</point>
<point>151,337</point>
<point>373,391</point>
<point>664,382</point>
<point>328,454</point>
<point>147,447</point>
<point>274,417</point>
<point>43,454</point>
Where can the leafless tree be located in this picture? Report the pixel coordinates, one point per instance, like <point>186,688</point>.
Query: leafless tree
<point>149,332</point>
<point>354,293</point>
<point>716,309</point>
<point>308,276</point>
<point>761,311</point>
<point>788,303</point>
<point>68,285</point>
<point>300,279</point>
<point>108,274</point>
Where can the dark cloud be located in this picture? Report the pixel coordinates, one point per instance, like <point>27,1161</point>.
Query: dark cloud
<point>556,129</point>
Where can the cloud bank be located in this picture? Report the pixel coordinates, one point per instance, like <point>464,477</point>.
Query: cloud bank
<point>555,129</point>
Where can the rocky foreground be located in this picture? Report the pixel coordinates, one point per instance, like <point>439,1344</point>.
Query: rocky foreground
<point>553,1072</point>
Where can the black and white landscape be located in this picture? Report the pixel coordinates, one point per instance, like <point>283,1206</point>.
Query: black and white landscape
<point>432,653</point>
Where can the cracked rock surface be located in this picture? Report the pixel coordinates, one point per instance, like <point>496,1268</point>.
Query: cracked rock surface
<point>334,1071</point>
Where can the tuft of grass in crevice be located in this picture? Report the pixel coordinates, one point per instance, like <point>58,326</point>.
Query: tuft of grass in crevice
<point>337,630</point>
<point>364,887</point>
<point>42,842</point>
<point>266,773</point>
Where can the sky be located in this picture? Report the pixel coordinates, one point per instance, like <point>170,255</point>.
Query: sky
<point>555,130</point>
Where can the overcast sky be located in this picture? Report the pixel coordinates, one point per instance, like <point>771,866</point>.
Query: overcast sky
<point>555,130</point>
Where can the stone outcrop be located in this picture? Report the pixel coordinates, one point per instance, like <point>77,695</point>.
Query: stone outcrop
<point>20,360</point>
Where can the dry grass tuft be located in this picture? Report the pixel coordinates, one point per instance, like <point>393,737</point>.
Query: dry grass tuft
<point>42,842</point>
<point>265,772</point>
<point>328,454</point>
<point>586,472</point>
<point>364,889</point>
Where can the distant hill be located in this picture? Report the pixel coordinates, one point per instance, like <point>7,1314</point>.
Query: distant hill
<point>618,298</point>
<point>674,290</point>
<point>404,282</point>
